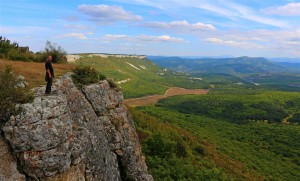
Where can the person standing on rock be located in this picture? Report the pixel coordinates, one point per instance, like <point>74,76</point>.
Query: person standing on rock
<point>49,74</point>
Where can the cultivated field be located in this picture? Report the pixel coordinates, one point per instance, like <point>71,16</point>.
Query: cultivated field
<point>172,91</point>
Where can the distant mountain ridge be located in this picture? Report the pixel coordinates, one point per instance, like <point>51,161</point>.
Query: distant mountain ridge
<point>284,59</point>
<point>234,66</point>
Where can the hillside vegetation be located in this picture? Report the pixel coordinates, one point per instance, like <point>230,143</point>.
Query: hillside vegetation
<point>138,77</point>
<point>241,135</point>
<point>239,108</point>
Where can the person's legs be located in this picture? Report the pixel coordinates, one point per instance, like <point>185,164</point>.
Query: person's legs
<point>48,87</point>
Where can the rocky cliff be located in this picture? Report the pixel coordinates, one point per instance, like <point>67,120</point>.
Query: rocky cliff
<point>72,134</point>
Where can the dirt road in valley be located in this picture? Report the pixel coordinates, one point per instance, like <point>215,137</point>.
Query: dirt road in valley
<point>172,91</point>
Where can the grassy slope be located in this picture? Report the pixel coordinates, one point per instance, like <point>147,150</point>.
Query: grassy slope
<point>141,82</point>
<point>33,72</point>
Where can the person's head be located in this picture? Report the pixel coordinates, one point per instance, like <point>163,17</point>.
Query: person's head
<point>49,58</point>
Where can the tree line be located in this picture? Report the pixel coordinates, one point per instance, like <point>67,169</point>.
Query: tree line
<point>12,51</point>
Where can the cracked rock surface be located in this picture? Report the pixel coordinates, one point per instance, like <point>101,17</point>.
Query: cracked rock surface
<point>75,134</point>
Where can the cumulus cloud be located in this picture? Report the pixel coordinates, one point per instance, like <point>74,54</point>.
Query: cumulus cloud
<point>74,35</point>
<point>108,14</point>
<point>290,9</point>
<point>142,38</point>
<point>180,26</point>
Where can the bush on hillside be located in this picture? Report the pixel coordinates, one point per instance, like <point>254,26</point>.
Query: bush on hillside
<point>113,84</point>
<point>14,54</point>
<point>85,75</point>
<point>10,94</point>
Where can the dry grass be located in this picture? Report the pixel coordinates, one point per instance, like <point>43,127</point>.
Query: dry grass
<point>33,72</point>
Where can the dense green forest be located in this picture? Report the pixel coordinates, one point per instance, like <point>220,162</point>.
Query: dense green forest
<point>285,82</point>
<point>230,134</point>
<point>250,105</point>
<point>173,153</point>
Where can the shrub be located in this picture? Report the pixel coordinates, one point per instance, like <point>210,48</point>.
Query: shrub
<point>10,94</point>
<point>112,84</point>
<point>15,54</point>
<point>85,75</point>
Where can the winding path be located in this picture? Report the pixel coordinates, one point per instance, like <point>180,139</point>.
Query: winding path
<point>172,91</point>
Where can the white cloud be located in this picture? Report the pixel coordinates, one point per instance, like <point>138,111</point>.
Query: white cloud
<point>225,9</point>
<point>276,41</point>
<point>239,44</point>
<point>142,38</point>
<point>181,26</point>
<point>74,35</point>
<point>162,38</point>
<point>107,14</point>
<point>290,9</point>
<point>115,37</point>
<point>235,11</point>
<point>76,26</point>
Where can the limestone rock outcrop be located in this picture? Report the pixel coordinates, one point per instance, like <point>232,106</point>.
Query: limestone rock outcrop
<point>75,134</point>
<point>8,164</point>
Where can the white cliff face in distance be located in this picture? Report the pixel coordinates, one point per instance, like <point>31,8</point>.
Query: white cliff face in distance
<point>73,58</point>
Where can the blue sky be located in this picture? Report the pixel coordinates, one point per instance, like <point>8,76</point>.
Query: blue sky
<point>255,28</point>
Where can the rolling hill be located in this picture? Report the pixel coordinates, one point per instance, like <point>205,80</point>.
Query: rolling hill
<point>138,76</point>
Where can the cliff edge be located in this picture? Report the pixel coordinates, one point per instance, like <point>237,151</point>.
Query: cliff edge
<point>72,134</point>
